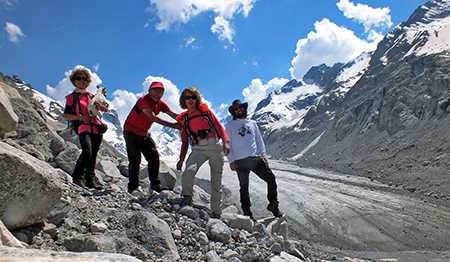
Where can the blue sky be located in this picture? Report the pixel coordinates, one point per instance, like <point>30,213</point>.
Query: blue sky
<point>228,49</point>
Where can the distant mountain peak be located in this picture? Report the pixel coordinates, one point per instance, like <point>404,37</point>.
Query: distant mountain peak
<point>426,32</point>
<point>429,12</point>
<point>286,107</point>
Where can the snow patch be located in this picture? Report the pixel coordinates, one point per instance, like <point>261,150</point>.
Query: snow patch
<point>436,35</point>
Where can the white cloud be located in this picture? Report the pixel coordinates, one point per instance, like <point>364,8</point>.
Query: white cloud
<point>329,44</point>
<point>96,67</point>
<point>190,43</point>
<point>123,101</point>
<point>257,91</point>
<point>66,87</point>
<point>174,12</point>
<point>14,32</point>
<point>366,15</point>
<point>8,4</point>
<point>223,28</point>
<point>223,107</point>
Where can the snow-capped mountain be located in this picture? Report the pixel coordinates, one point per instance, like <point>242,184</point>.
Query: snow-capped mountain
<point>427,30</point>
<point>168,142</point>
<point>386,118</point>
<point>321,91</point>
<point>288,106</point>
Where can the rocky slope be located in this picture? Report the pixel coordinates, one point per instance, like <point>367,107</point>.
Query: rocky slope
<point>59,221</point>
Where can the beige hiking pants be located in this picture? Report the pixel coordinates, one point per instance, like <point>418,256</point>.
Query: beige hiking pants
<point>206,149</point>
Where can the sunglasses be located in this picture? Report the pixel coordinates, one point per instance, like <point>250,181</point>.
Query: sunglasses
<point>238,107</point>
<point>81,78</point>
<point>190,97</point>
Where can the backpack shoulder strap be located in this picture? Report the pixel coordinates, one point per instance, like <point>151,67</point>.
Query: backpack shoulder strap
<point>192,136</point>
<point>213,129</point>
<point>75,102</point>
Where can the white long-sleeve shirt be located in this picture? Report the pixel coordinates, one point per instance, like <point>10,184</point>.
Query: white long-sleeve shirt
<point>245,139</point>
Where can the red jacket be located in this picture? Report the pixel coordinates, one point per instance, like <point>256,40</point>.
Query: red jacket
<point>199,123</point>
<point>137,121</point>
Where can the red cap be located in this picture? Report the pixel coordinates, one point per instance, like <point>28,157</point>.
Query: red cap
<point>157,84</point>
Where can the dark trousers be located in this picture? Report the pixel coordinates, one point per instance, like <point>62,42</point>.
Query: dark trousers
<point>135,146</point>
<point>90,145</point>
<point>257,165</point>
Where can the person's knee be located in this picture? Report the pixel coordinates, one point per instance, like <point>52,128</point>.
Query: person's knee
<point>191,168</point>
<point>271,181</point>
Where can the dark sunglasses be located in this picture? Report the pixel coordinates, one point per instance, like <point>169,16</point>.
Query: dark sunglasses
<point>238,107</point>
<point>190,97</point>
<point>81,78</point>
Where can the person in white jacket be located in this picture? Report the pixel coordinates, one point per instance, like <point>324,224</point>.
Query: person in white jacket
<point>248,153</point>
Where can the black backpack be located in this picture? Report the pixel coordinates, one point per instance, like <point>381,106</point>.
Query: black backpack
<point>74,124</point>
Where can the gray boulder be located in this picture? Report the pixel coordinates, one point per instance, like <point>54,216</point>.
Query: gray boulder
<point>34,134</point>
<point>147,230</point>
<point>67,158</point>
<point>22,254</point>
<point>166,175</point>
<point>217,230</point>
<point>84,243</point>
<point>110,169</point>
<point>29,188</point>
<point>7,239</point>
<point>238,221</point>
<point>8,119</point>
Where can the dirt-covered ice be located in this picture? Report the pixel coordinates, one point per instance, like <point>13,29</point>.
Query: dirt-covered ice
<point>343,213</point>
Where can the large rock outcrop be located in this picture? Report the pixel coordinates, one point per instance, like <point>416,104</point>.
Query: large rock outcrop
<point>29,188</point>
<point>8,119</point>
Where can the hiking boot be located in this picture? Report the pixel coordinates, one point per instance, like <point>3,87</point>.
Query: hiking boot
<point>94,183</point>
<point>133,190</point>
<point>138,193</point>
<point>249,214</point>
<point>215,215</point>
<point>130,190</point>
<point>79,181</point>
<point>158,188</point>
<point>186,201</point>
<point>274,209</point>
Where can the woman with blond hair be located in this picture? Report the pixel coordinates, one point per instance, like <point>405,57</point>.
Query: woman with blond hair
<point>203,131</point>
<point>87,128</point>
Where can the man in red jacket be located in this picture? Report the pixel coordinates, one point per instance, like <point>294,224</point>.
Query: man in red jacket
<point>138,140</point>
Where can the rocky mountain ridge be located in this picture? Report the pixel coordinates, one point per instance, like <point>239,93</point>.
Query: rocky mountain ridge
<point>392,124</point>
